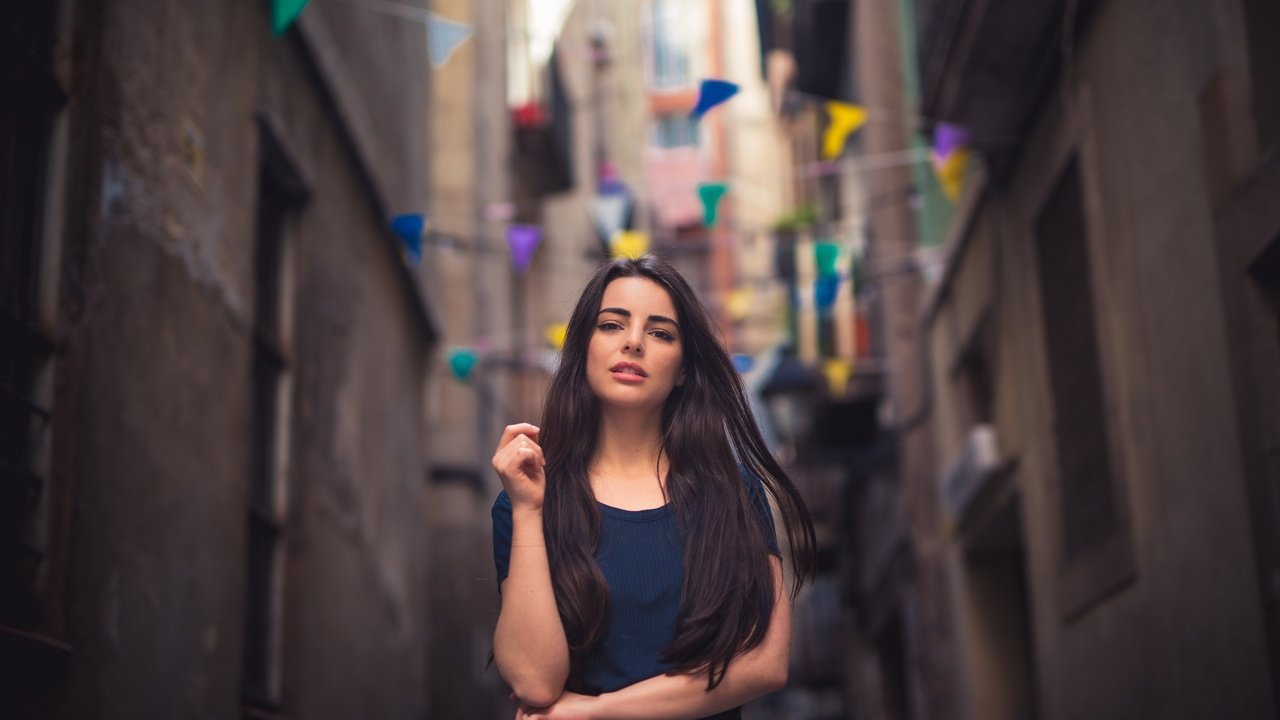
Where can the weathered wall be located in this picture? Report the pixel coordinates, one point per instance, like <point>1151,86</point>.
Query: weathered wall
<point>166,144</point>
<point>1184,638</point>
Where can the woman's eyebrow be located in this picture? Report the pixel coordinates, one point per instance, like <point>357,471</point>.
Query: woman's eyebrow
<point>627,313</point>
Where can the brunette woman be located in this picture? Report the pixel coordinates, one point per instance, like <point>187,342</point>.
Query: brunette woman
<point>634,542</point>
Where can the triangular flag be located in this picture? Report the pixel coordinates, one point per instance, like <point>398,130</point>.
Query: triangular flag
<point>845,119</point>
<point>410,228</point>
<point>710,194</point>
<point>610,213</point>
<point>947,138</point>
<point>556,333</point>
<point>443,37</point>
<point>825,288</point>
<point>711,93</point>
<point>837,372</point>
<point>951,174</point>
<point>738,303</point>
<point>826,254</point>
<point>461,362</point>
<point>283,13</point>
<point>523,241</point>
<point>629,244</point>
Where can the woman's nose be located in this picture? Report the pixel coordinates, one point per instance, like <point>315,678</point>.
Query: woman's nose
<point>634,344</point>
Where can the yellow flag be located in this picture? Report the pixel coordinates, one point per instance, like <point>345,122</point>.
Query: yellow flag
<point>845,119</point>
<point>951,173</point>
<point>629,244</point>
<point>738,303</point>
<point>837,371</point>
<point>555,334</point>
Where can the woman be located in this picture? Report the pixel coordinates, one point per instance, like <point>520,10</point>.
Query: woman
<point>639,572</point>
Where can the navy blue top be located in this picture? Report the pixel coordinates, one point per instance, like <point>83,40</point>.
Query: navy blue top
<point>642,560</point>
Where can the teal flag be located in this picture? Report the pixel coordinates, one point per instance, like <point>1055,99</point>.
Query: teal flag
<point>826,254</point>
<point>461,362</point>
<point>710,193</point>
<point>283,13</point>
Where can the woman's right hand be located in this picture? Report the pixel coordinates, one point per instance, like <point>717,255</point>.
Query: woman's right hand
<point>519,463</point>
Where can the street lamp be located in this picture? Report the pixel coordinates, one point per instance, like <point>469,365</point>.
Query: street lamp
<point>791,398</point>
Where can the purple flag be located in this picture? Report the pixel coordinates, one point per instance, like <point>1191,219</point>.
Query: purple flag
<point>523,241</point>
<point>948,137</point>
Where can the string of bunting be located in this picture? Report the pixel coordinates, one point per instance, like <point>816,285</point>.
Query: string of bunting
<point>949,158</point>
<point>444,36</point>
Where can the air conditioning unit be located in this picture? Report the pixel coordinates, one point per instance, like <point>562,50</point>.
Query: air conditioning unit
<point>977,465</point>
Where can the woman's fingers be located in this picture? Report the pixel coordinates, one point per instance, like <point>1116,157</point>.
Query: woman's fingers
<point>519,440</point>
<point>519,462</point>
<point>510,432</point>
<point>530,449</point>
<point>520,453</point>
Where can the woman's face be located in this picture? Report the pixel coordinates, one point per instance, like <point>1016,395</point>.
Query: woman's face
<point>635,353</point>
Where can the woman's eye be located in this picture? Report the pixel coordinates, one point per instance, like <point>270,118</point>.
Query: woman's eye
<point>609,325</point>
<point>662,335</point>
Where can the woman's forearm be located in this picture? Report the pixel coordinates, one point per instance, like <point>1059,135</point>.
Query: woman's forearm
<point>752,674</point>
<point>529,644</point>
<point>681,697</point>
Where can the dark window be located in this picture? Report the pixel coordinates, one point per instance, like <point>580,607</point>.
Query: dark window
<point>1089,511</point>
<point>279,197</point>
<point>1262,25</point>
<point>973,378</point>
<point>26,51</point>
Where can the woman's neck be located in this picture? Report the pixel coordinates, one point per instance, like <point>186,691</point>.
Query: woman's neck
<point>629,467</point>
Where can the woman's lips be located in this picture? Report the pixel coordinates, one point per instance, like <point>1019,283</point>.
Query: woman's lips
<point>628,372</point>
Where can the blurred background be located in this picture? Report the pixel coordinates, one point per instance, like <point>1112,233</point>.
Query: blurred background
<point>1002,278</point>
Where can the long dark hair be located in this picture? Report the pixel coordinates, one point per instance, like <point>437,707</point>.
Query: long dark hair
<point>710,438</point>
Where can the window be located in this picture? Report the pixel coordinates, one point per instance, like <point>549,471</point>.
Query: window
<point>1093,525</point>
<point>675,131</point>
<point>1262,22</point>
<point>26,47</point>
<point>669,43</point>
<point>974,379</point>
<point>1084,459</point>
<point>279,197</point>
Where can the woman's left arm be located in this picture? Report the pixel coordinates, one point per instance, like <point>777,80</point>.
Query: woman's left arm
<point>757,672</point>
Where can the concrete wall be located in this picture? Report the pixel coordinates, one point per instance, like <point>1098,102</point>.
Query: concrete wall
<point>154,411</point>
<point>1183,636</point>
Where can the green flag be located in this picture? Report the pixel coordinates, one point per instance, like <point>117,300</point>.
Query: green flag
<point>710,194</point>
<point>283,13</point>
<point>826,254</point>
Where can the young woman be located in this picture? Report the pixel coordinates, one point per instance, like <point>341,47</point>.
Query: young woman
<point>638,566</point>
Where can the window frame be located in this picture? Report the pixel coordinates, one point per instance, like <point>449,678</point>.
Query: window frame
<point>1089,578</point>
<point>281,197</point>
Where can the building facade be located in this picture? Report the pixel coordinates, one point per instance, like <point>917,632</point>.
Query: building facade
<point>215,355</point>
<point>1103,355</point>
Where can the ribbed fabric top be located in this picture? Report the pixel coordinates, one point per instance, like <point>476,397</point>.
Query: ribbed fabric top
<point>642,560</point>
